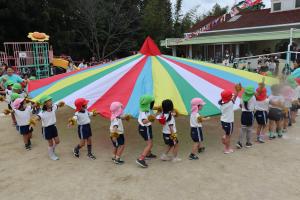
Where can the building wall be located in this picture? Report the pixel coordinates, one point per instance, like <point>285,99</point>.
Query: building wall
<point>285,4</point>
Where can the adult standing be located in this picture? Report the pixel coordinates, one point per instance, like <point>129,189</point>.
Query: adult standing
<point>10,76</point>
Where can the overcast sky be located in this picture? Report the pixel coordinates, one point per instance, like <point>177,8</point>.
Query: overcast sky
<point>206,5</point>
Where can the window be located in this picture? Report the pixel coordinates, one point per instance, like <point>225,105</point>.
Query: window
<point>277,6</point>
<point>297,4</point>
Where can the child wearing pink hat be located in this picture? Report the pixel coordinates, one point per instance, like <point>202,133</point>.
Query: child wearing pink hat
<point>196,127</point>
<point>22,113</point>
<point>117,131</point>
<point>82,117</point>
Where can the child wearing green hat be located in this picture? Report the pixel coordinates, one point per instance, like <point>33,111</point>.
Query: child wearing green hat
<point>48,118</point>
<point>247,118</point>
<point>145,128</point>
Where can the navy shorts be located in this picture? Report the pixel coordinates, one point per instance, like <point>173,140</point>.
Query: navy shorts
<point>227,127</point>
<point>24,130</point>
<point>146,132</point>
<point>196,134</point>
<point>247,118</point>
<point>84,131</point>
<point>275,114</point>
<point>169,141</point>
<point>119,142</point>
<point>49,132</point>
<point>261,117</point>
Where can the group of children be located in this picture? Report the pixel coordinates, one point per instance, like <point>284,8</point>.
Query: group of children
<point>278,110</point>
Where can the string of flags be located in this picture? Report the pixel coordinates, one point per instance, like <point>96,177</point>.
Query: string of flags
<point>233,12</point>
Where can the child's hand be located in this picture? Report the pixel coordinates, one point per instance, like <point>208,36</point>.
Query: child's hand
<point>173,136</point>
<point>200,119</point>
<point>27,100</point>
<point>7,111</point>
<point>151,118</point>
<point>114,136</point>
<point>71,122</point>
<point>127,117</point>
<point>61,104</point>
<point>175,113</point>
<point>238,88</point>
<point>94,113</point>
<point>2,98</point>
<point>32,122</point>
<point>158,109</point>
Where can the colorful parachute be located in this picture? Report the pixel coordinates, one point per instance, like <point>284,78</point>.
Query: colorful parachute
<point>149,72</point>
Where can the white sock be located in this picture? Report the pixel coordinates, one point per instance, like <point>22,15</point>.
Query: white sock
<point>50,151</point>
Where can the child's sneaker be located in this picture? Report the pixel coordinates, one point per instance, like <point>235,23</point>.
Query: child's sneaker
<point>239,145</point>
<point>260,140</point>
<point>91,156</point>
<point>176,159</point>
<point>151,156</point>
<point>201,149</point>
<point>228,151</point>
<point>27,147</point>
<point>118,161</point>
<point>54,157</point>
<point>76,152</point>
<point>141,163</point>
<point>271,136</point>
<point>248,145</point>
<point>165,157</point>
<point>284,130</point>
<point>193,157</point>
<point>279,135</point>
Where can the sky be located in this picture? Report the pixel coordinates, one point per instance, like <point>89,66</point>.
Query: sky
<point>206,5</point>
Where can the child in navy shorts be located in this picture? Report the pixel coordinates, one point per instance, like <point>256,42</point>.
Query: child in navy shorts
<point>196,127</point>
<point>248,106</point>
<point>261,113</point>
<point>145,128</point>
<point>169,131</point>
<point>48,118</point>
<point>22,113</point>
<point>117,131</point>
<point>227,115</point>
<point>82,117</point>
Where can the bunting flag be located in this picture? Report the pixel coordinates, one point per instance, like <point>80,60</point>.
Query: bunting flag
<point>149,72</point>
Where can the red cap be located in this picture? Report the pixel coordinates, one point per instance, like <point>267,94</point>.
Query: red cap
<point>261,94</point>
<point>297,80</point>
<point>79,103</point>
<point>226,96</point>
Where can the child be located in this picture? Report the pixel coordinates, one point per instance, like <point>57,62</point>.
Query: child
<point>48,118</point>
<point>196,127</point>
<point>22,113</point>
<point>227,117</point>
<point>295,102</point>
<point>82,116</point>
<point>169,130</point>
<point>288,95</point>
<point>17,88</point>
<point>261,114</point>
<point>275,112</point>
<point>247,118</point>
<point>117,131</point>
<point>145,128</point>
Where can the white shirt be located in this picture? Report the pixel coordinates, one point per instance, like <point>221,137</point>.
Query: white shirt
<point>117,122</point>
<point>83,118</point>
<point>143,116</point>
<point>194,120</point>
<point>23,117</point>
<point>48,118</point>
<point>8,94</point>
<point>251,105</point>
<point>227,112</point>
<point>166,127</point>
<point>276,99</point>
<point>297,92</point>
<point>262,105</point>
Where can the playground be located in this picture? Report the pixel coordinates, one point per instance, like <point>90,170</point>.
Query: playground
<point>267,171</point>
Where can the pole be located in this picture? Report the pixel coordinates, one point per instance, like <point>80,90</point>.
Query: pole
<point>288,56</point>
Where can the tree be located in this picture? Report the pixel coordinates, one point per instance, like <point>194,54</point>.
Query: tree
<point>177,19</point>
<point>217,10</point>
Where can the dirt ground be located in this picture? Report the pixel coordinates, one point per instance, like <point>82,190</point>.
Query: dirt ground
<point>266,171</point>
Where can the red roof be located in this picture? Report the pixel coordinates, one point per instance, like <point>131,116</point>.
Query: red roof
<point>262,17</point>
<point>202,23</point>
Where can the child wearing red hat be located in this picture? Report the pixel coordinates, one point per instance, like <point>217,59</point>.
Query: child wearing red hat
<point>262,109</point>
<point>196,127</point>
<point>227,115</point>
<point>82,117</point>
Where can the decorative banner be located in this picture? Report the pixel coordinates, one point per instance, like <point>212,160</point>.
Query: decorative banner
<point>37,36</point>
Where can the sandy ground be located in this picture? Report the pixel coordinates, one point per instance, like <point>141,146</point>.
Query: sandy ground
<point>266,171</point>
